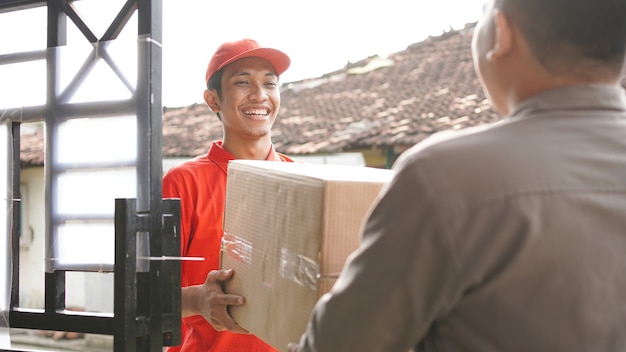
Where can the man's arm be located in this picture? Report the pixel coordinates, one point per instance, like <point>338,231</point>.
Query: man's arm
<point>396,284</point>
<point>207,299</point>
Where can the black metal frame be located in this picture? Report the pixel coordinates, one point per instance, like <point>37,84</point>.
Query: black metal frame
<point>146,303</point>
<point>147,310</point>
<point>14,5</point>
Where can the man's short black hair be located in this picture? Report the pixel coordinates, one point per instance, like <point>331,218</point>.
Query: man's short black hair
<point>579,37</point>
<point>215,82</point>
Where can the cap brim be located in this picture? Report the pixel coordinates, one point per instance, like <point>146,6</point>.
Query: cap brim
<point>277,58</point>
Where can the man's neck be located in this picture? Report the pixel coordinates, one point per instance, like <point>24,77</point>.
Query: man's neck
<point>252,150</point>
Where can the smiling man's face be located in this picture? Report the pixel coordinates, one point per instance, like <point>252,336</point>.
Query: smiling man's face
<point>250,99</point>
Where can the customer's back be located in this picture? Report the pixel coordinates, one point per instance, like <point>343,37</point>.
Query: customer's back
<point>535,209</point>
<point>543,236</point>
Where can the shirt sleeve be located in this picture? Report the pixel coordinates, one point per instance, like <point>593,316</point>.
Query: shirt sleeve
<point>397,283</point>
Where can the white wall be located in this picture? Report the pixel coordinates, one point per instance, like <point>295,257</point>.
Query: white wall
<point>32,240</point>
<point>352,159</point>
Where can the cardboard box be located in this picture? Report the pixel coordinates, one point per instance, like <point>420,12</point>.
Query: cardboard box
<point>288,229</point>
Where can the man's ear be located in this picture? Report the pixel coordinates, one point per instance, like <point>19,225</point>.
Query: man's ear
<point>211,99</point>
<point>503,39</point>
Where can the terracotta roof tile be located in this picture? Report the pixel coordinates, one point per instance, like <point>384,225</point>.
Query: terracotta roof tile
<point>32,145</point>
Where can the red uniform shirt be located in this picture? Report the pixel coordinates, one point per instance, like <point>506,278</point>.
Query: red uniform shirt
<point>201,186</point>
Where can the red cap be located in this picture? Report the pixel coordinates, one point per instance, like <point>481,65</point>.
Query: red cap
<point>231,51</point>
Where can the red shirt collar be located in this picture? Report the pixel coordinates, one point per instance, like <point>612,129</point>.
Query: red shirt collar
<point>221,156</point>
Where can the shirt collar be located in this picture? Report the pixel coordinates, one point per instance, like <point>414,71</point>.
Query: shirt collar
<point>582,97</point>
<point>221,156</point>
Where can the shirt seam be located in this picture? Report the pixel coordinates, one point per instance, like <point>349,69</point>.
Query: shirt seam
<point>487,202</point>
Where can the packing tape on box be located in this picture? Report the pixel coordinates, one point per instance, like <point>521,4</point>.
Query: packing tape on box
<point>237,247</point>
<point>293,266</point>
<point>299,269</point>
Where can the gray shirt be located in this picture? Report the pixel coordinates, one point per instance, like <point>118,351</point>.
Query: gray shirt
<point>510,237</point>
